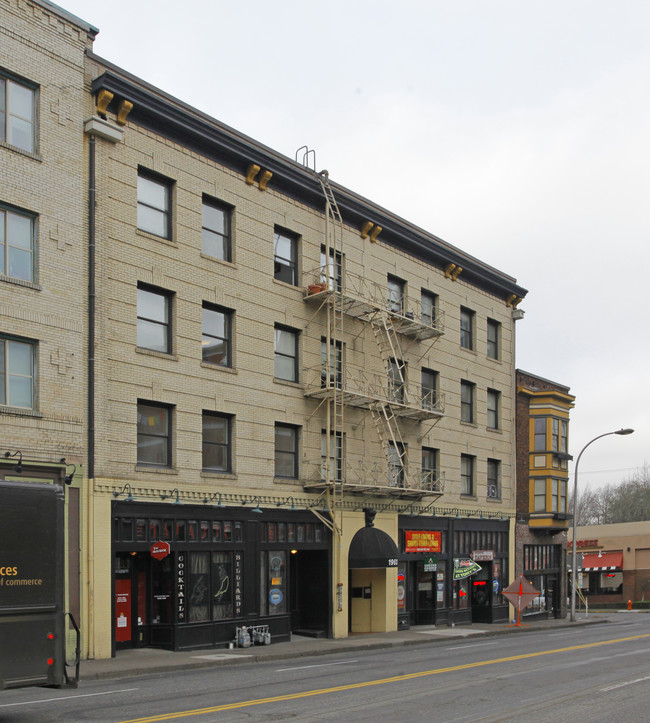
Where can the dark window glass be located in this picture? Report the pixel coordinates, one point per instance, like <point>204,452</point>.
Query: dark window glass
<point>154,434</point>
<point>154,205</point>
<point>154,319</point>
<point>493,408</point>
<point>493,334</point>
<point>216,442</point>
<point>466,328</point>
<point>17,245</point>
<point>286,451</point>
<point>466,475</point>
<point>286,354</point>
<point>396,294</point>
<point>466,402</point>
<point>216,235</point>
<point>17,114</point>
<point>285,248</point>
<point>17,373</point>
<point>216,339</point>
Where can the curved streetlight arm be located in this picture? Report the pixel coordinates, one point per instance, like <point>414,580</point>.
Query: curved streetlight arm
<point>574,572</point>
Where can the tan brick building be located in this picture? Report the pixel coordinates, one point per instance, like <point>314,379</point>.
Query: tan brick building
<point>299,406</point>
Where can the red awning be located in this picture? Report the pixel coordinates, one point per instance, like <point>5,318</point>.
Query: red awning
<point>605,561</point>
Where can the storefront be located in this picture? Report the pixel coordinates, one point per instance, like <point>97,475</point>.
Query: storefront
<point>451,570</point>
<point>542,567</point>
<point>186,576</point>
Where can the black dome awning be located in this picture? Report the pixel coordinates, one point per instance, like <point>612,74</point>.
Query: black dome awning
<point>371,547</point>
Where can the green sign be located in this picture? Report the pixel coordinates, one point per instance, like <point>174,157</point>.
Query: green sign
<point>430,563</point>
<point>464,567</point>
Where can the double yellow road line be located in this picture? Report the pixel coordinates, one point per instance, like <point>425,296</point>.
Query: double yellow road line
<point>369,683</point>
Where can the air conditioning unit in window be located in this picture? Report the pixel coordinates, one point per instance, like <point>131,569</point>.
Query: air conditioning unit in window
<point>492,492</point>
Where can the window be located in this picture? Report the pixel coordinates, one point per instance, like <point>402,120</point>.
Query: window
<point>466,474</point>
<point>331,460</point>
<point>216,238</point>
<point>493,339</point>
<point>467,402</point>
<point>154,434</point>
<point>216,342</point>
<point>331,268</point>
<point>396,464</point>
<point>286,451</point>
<point>429,389</point>
<point>285,248</point>
<point>493,479</point>
<point>493,402</point>
<point>540,495</point>
<point>154,204</point>
<point>429,467</point>
<point>428,305</point>
<point>334,373</point>
<point>466,328</point>
<point>396,380</point>
<point>154,319</point>
<point>559,435</point>
<point>217,442</point>
<point>396,293</point>
<point>17,373</point>
<point>17,114</point>
<point>540,434</point>
<point>17,245</point>
<point>286,354</point>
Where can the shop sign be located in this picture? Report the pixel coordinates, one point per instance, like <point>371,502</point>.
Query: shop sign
<point>160,550</point>
<point>180,587</point>
<point>275,596</point>
<point>422,541</point>
<point>430,563</point>
<point>238,577</point>
<point>584,543</point>
<point>464,567</point>
<point>482,555</point>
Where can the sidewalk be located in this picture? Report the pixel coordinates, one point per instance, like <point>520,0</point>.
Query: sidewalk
<point>148,661</point>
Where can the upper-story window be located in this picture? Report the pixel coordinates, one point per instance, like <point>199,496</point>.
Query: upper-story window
<point>331,371</point>
<point>286,451</point>
<point>493,339</point>
<point>467,391</point>
<point>429,389</point>
<point>428,303</point>
<point>467,474</point>
<point>216,339</point>
<point>285,250</point>
<point>396,380</point>
<point>466,328</point>
<point>154,204</point>
<point>493,479</point>
<point>429,467</point>
<point>493,400</point>
<point>331,270</point>
<point>154,434</point>
<point>216,234</point>
<point>396,464</point>
<point>154,319</point>
<point>286,353</point>
<point>17,245</point>
<point>17,372</point>
<point>17,114</point>
<point>217,442</point>
<point>560,433</point>
<point>396,294</point>
<point>540,434</point>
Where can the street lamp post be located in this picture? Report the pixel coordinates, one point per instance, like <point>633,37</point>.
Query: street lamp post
<point>574,572</point>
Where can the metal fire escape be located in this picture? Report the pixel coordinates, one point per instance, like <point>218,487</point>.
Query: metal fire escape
<point>388,397</point>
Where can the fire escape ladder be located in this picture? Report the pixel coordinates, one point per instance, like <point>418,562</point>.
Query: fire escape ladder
<point>389,434</point>
<point>331,273</point>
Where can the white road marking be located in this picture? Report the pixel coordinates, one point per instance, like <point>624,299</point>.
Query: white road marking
<point>67,697</point>
<point>622,685</point>
<point>321,665</point>
<point>471,645</point>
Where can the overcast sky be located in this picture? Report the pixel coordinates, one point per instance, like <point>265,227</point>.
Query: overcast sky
<point>517,131</point>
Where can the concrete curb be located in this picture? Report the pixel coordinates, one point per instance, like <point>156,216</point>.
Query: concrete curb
<point>144,662</point>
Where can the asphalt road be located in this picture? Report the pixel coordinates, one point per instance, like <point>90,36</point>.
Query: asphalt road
<point>595,673</point>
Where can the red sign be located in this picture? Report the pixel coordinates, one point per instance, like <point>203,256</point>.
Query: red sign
<point>122,610</point>
<point>422,541</point>
<point>160,550</point>
<point>584,543</point>
<point>482,555</point>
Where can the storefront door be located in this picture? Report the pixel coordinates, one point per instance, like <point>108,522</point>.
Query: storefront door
<point>130,600</point>
<point>481,594</point>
